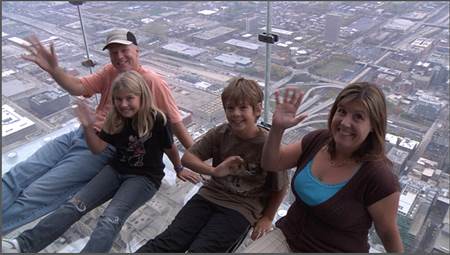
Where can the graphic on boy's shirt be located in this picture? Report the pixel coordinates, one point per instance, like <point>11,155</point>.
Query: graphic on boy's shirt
<point>135,152</point>
<point>238,182</point>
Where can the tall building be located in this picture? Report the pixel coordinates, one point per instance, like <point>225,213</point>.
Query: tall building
<point>251,24</point>
<point>332,27</point>
<point>406,213</point>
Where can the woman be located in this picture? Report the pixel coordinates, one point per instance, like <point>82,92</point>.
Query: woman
<point>343,180</point>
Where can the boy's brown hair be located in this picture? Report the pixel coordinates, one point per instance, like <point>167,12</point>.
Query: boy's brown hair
<point>241,90</point>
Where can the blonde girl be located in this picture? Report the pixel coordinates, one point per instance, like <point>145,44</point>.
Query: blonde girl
<point>140,134</point>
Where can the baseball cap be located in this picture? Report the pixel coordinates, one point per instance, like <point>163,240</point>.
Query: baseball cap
<point>120,36</point>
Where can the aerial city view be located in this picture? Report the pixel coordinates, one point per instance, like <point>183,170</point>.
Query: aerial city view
<point>199,46</point>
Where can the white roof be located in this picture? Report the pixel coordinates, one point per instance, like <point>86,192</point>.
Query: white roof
<point>147,20</point>
<point>13,122</point>
<point>243,44</point>
<point>424,161</point>
<point>202,84</point>
<point>408,143</point>
<point>207,12</point>
<point>281,45</point>
<point>278,31</point>
<point>19,41</point>
<point>8,72</point>
<point>428,172</point>
<point>392,139</point>
<point>183,49</point>
<point>399,24</point>
<point>233,59</point>
<point>407,199</point>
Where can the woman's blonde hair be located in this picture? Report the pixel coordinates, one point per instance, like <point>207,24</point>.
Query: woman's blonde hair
<point>144,119</point>
<point>373,100</point>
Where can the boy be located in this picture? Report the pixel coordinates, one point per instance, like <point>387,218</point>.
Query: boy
<point>240,194</point>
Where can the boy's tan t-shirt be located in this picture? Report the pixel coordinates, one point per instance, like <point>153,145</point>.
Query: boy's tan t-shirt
<point>248,189</point>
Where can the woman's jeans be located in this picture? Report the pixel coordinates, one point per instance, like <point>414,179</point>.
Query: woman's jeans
<point>48,178</point>
<point>128,193</point>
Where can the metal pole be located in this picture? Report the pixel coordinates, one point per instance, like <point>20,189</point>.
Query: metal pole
<point>84,36</point>
<point>89,61</point>
<point>267,73</point>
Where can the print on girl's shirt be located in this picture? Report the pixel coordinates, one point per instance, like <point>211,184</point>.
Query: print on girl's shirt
<point>135,151</point>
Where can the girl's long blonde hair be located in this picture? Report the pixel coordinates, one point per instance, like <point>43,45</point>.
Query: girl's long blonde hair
<point>144,119</point>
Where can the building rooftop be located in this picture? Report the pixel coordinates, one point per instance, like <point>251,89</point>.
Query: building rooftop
<point>208,12</point>
<point>183,49</point>
<point>392,139</point>
<point>427,162</point>
<point>214,33</point>
<point>12,122</point>
<point>399,24</point>
<point>48,96</point>
<point>14,87</point>
<point>407,198</point>
<point>397,156</point>
<point>278,31</point>
<point>428,172</point>
<point>416,15</point>
<point>422,42</point>
<point>243,44</point>
<point>442,242</point>
<point>230,58</point>
<point>19,41</point>
<point>419,219</point>
<point>408,143</point>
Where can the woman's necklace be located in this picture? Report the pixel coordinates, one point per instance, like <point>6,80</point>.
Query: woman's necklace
<point>337,164</point>
<point>334,163</point>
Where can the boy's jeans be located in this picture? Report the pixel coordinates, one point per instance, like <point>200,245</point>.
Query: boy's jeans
<point>128,193</point>
<point>200,226</point>
<point>48,178</point>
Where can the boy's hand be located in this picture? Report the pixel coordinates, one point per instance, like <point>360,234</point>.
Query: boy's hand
<point>285,114</point>
<point>262,226</point>
<point>188,175</point>
<point>228,166</point>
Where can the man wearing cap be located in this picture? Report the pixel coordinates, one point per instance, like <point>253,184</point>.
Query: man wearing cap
<point>60,168</point>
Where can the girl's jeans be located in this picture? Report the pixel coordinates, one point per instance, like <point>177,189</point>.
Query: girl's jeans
<point>128,193</point>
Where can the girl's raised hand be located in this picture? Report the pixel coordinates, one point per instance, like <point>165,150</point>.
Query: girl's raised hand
<point>84,113</point>
<point>285,114</point>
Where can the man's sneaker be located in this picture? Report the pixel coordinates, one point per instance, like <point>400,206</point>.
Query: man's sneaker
<point>10,246</point>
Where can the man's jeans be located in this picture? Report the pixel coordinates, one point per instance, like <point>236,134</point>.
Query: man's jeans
<point>48,178</point>
<point>128,193</point>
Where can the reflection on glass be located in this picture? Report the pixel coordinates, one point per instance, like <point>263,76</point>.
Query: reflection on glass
<point>199,46</point>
